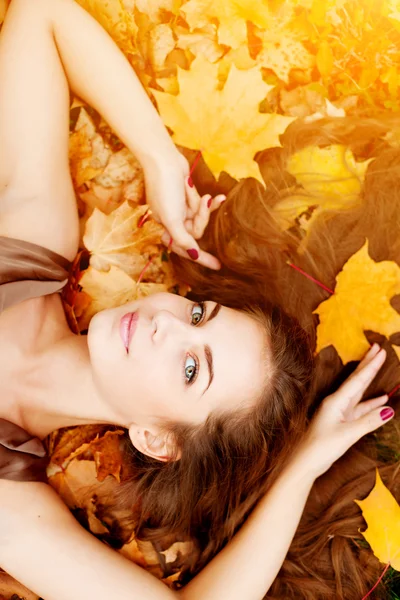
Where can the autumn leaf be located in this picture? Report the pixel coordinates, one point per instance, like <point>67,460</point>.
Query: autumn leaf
<point>116,240</point>
<point>88,154</point>
<point>111,289</point>
<point>283,53</point>
<point>331,179</point>
<point>3,10</point>
<point>202,42</point>
<point>330,172</point>
<point>116,19</point>
<point>361,302</point>
<point>232,16</point>
<point>155,8</point>
<point>10,589</point>
<point>382,515</point>
<point>225,124</point>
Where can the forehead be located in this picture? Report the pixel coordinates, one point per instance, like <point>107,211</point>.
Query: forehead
<point>238,342</point>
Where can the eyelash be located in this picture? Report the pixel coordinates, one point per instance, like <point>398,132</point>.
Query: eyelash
<point>203,315</point>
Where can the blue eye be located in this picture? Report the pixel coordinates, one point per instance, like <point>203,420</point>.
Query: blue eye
<point>190,369</point>
<point>198,313</point>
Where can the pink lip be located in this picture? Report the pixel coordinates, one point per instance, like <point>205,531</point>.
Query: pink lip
<point>127,328</point>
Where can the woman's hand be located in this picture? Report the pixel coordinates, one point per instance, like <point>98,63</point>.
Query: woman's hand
<point>177,205</point>
<point>342,419</point>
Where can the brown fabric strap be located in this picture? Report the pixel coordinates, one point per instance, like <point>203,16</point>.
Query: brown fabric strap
<point>26,271</point>
<point>22,457</point>
<point>29,271</point>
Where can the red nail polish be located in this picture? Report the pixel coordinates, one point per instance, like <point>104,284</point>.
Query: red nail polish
<point>209,203</point>
<point>190,182</point>
<point>386,413</point>
<point>194,255</point>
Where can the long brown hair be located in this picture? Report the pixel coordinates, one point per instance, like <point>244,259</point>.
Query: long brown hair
<point>328,558</point>
<point>228,464</point>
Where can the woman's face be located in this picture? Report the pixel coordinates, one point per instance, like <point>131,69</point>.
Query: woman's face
<point>183,361</point>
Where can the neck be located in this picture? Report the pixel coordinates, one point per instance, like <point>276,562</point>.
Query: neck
<point>61,390</point>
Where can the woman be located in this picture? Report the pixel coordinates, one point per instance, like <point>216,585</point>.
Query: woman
<point>204,386</point>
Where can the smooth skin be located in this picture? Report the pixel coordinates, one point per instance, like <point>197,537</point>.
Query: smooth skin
<point>37,204</point>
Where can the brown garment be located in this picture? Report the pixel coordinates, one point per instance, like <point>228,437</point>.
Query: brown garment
<point>26,271</point>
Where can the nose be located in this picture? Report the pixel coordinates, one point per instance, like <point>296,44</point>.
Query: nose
<point>167,325</point>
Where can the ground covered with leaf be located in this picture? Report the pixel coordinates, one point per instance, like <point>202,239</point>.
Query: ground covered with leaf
<point>228,79</point>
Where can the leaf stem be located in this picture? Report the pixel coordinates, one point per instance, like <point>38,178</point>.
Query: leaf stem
<point>321,285</point>
<point>378,582</point>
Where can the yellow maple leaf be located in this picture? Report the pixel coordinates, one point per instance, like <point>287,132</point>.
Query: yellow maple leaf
<point>115,239</point>
<point>361,302</point>
<point>111,289</point>
<point>382,514</point>
<point>330,172</point>
<point>225,124</point>
<point>331,180</point>
<point>283,53</point>
<point>232,16</point>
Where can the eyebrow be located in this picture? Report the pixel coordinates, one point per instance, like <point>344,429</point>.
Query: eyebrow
<point>210,365</point>
<point>207,349</point>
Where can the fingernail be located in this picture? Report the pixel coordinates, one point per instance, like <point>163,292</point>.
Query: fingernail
<point>209,203</point>
<point>190,182</point>
<point>194,255</point>
<point>386,413</point>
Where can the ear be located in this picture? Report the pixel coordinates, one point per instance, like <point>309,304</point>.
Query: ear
<point>157,444</point>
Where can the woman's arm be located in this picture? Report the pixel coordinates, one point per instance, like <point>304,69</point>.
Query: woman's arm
<point>43,44</point>
<point>45,548</point>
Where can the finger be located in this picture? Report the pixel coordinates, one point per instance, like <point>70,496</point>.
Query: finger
<point>367,406</point>
<point>192,196</point>
<point>373,420</point>
<point>354,387</point>
<point>202,218</point>
<point>216,202</point>
<point>207,206</point>
<point>205,259</point>
<point>183,239</point>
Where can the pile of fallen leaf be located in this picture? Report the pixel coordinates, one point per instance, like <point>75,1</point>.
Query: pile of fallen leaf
<point>228,77</point>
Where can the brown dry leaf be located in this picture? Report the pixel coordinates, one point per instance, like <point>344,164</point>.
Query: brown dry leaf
<point>74,485</point>
<point>303,101</point>
<point>88,153</point>
<point>3,10</point>
<point>116,240</point>
<point>10,589</point>
<point>95,525</point>
<point>116,16</point>
<point>63,443</point>
<point>203,41</point>
<point>177,551</point>
<point>122,167</point>
<point>108,455</point>
<point>132,551</point>
<point>232,17</point>
<point>161,42</point>
<point>155,8</point>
